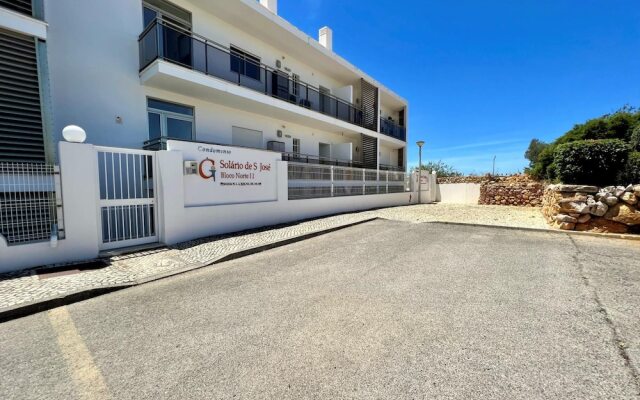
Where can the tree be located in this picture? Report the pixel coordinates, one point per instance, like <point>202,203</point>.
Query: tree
<point>440,167</point>
<point>533,152</point>
<point>544,158</point>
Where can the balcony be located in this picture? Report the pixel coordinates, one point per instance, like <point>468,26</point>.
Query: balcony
<point>392,129</point>
<point>309,159</point>
<point>164,41</point>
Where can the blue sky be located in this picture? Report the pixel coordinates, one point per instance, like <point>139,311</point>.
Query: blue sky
<point>484,77</point>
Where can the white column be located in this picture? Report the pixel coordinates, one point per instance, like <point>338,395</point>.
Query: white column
<point>170,196</point>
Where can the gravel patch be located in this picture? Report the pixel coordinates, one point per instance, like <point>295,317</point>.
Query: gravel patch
<point>520,217</point>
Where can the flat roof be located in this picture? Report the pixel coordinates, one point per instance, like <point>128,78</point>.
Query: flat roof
<point>258,21</point>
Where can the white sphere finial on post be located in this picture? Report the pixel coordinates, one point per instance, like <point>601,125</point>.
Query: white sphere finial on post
<point>74,134</point>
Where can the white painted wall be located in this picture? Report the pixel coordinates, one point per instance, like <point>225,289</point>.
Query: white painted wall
<point>388,155</point>
<point>182,223</point>
<point>177,221</point>
<point>214,124</point>
<point>459,193</point>
<point>78,173</point>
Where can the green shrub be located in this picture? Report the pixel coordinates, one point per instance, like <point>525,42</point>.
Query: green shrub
<point>635,139</point>
<point>594,162</point>
<point>618,125</point>
<point>631,171</point>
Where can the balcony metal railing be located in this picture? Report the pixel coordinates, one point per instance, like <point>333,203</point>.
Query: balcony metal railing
<point>310,159</point>
<point>169,42</point>
<point>317,181</point>
<point>392,129</point>
<point>385,167</point>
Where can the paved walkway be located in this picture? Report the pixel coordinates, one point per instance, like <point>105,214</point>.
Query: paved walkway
<point>26,288</point>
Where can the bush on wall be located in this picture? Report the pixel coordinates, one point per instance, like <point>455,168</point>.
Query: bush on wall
<point>594,162</point>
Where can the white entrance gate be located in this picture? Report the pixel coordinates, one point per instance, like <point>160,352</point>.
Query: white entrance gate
<point>127,209</point>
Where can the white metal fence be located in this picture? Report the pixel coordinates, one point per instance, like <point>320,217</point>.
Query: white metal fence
<point>29,202</point>
<point>127,204</point>
<point>309,181</point>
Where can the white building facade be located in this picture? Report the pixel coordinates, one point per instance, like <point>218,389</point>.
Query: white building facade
<point>134,73</point>
<point>202,117</point>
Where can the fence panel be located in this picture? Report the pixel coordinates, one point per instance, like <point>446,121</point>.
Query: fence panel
<point>28,202</point>
<point>308,181</point>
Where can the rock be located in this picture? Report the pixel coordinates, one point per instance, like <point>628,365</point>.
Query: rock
<point>567,226</point>
<point>599,209</point>
<point>623,213</point>
<point>591,201</point>
<point>583,219</point>
<point>619,191</point>
<point>629,188</point>
<point>600,196</point>
<point>636,190</point>
<point>601,225</point>
<point>611,200</point>
<point>629,198</point>
<point>574,188</point>
<point>574,207</point>
<point>566,218</point>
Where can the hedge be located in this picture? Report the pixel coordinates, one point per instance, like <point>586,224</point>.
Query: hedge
<point>631,171</point>
<point>594,162</point>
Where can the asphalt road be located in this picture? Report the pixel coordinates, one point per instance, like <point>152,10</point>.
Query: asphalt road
<point>384,310</point>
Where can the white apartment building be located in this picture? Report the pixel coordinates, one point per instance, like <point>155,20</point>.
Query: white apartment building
<point>135,72</point>
<point>195,111</point>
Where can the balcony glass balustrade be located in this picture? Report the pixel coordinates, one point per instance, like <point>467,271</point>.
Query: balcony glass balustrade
<point>165,41</point>
<point>392,129</point>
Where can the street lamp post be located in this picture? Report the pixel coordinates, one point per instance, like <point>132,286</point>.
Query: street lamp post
<point>420,143</point>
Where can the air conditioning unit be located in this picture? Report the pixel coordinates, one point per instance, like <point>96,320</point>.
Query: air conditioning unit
<point>275,146</point>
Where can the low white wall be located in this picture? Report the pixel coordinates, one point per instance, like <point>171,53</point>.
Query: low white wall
<point>180,223</point>
<point>79,196</point>
<point>428,189</point>
<point>458,193</point>
<point>176,222</point>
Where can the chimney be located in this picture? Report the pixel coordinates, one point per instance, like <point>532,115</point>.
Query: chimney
<point>326,38</point>
<point>271,5</point>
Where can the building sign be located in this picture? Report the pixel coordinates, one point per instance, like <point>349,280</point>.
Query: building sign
<point>228,175</point>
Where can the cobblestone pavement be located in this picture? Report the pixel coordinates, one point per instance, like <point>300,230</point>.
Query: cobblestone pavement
<point>27,287</point>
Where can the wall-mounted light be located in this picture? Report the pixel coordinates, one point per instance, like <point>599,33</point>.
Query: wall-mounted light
<point>74,134</point>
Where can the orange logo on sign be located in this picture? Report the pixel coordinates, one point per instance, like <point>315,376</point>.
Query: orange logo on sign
<point>207,169</point>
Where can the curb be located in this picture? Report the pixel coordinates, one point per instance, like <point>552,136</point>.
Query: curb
<point>544,230</point>
<point>25,309</point>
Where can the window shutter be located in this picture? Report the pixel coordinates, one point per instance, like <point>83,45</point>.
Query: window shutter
<point>21,136</point>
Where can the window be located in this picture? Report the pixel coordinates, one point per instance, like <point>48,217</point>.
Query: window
<point>162,9</point>
<point>246,137</point>
<point>245,64</point>
<point>170,120</point>
<point>296,147</point>
<point>296,84</point>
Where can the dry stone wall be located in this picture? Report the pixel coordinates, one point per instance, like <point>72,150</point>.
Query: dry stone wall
<point>613,209</point>
<point>518,190</point>
<point>513,190</point>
